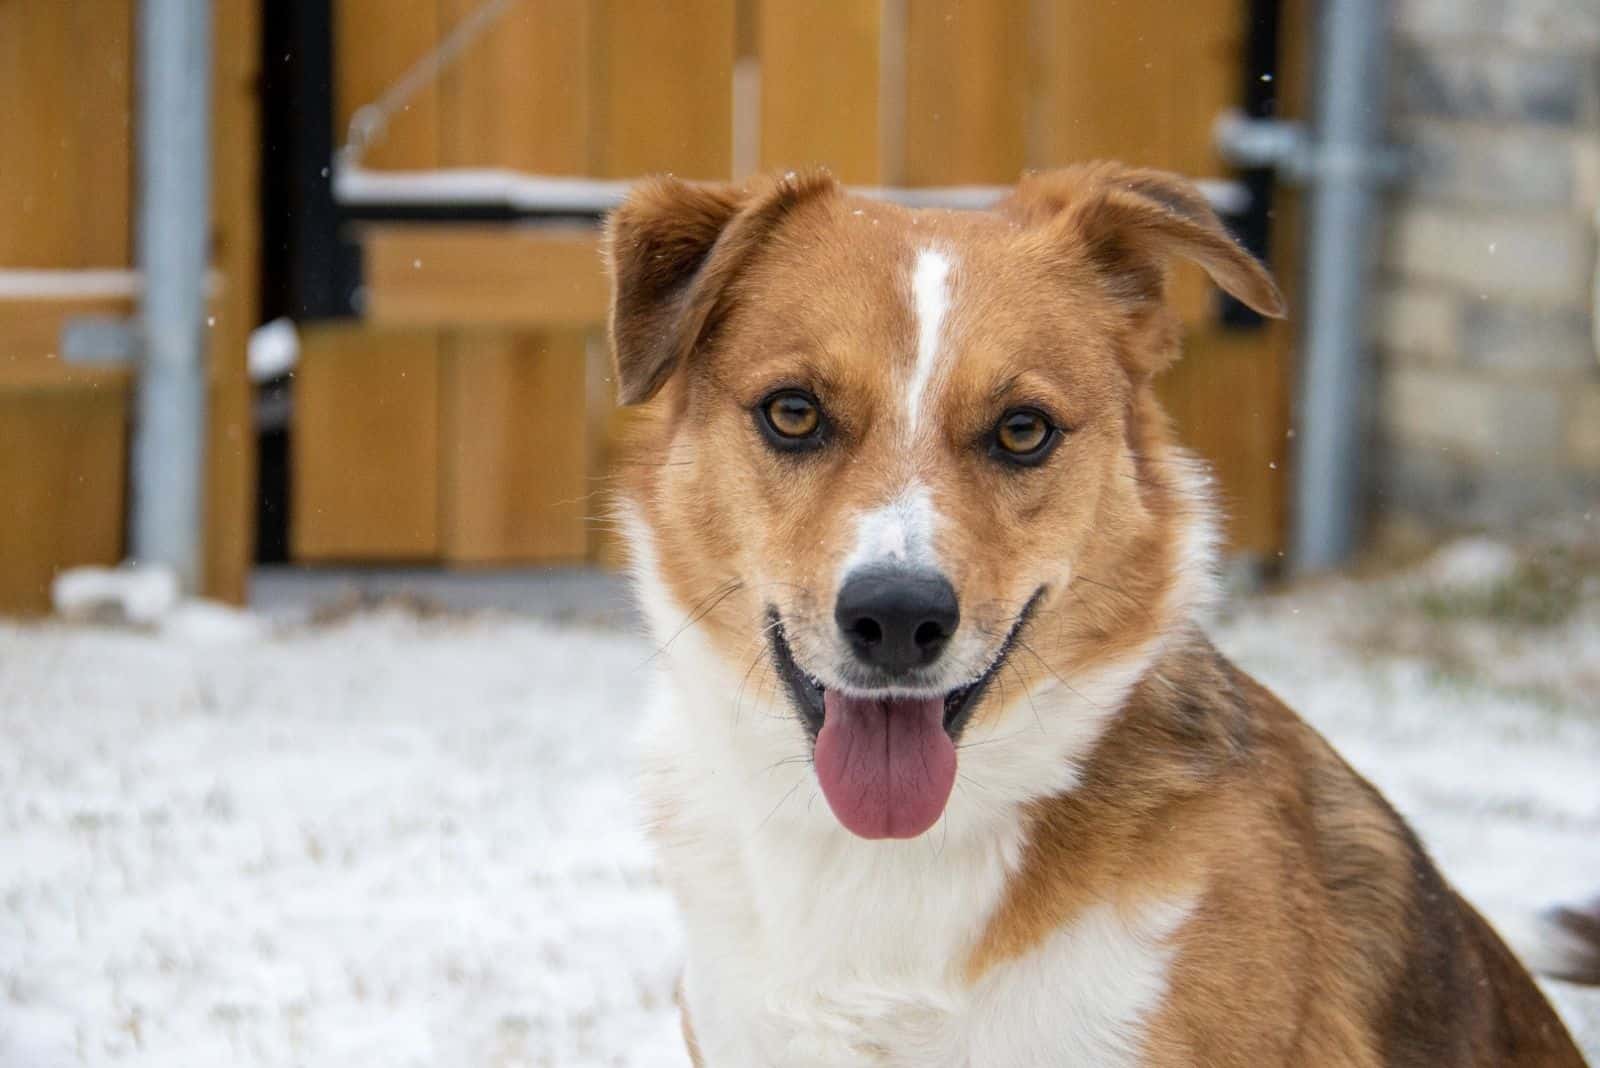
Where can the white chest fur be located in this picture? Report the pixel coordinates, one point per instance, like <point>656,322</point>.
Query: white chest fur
<point>809,947</point>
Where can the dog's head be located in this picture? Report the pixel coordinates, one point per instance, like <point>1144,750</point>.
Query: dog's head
<point>908,465</point>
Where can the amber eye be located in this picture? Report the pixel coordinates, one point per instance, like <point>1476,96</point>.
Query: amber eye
<point>791,419</point>
<point>1024,436</point>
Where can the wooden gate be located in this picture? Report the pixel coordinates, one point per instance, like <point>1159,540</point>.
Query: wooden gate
<point>465,421</point>
<point>66,249</point>
<point>465,418</point>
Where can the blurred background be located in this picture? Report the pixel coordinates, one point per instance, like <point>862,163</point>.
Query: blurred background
<point>411,191</point>
<point>301,311</point>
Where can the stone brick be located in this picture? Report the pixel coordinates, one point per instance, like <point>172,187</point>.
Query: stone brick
<point>1583,429</point>
<point>1586,176</point>
<point>1478,84</point>
<point>1497,423</point>
<point>1417,324</point>
<point>1511,338</point>
<point>1552,24</point>
<point>1443,489</point>
<point>1468,163</point>
<point>1437,408</point>
<point>1449,19</point>
<point>1547,259</point>
<point>1557,25</point>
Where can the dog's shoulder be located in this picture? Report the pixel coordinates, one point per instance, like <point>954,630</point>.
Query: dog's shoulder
<point>1310,898</point>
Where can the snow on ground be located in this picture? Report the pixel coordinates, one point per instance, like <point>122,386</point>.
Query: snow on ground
<point>386,842</point>
<point>409,840</point>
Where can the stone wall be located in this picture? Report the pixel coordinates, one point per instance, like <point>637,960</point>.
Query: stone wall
<point>1488,382</point>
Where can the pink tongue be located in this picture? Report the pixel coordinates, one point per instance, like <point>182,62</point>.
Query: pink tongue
<point>886,766</point>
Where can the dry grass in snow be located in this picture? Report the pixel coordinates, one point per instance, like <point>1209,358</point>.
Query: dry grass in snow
<point>403,841</point>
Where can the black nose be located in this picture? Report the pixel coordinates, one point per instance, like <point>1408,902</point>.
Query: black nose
<point>897,618</point>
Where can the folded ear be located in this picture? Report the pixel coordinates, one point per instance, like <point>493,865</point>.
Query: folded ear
<point>672,249</point>
<point>1132,223</point>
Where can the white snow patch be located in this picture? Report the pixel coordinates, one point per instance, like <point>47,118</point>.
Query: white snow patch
<point>203,622</point>
<point>355,184</point>
<point>382,843</point>
<point>274,349</point>
<point>1470,565</point>
<point>397,842</point>
<point>133,593</point>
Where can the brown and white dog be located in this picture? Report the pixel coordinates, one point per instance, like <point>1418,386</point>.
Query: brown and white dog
<point>914,535</point>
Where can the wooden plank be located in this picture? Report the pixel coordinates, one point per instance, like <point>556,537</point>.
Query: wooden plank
<point>230,491</point>
<point>822,88</point>
<point>484,275</point>
<point>30,360</point>
<point>80,105</point>
<point>65,182</point>
<point>664,88</point>
<point>34,104</point>
<point>365,460</point>
<point>609,428</point>
<point>1121,85</point>
<point>376,41</point>
<point>1118,84</point>
<point>966,91</point>
<point>1206,78</point>
<point>1107,91</point>
<point>102,80</point>
<point>65,101</point>
<point>515,448</point>
<point>1228,400</point>
<point>62,457</point>
<point>519,97</point>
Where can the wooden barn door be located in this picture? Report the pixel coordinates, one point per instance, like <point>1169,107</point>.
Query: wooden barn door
<point>65,184</point>
<point>66,249</point>
<point>452,424</point>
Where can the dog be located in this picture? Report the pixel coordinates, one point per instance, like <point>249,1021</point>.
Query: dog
<point>914,536</point>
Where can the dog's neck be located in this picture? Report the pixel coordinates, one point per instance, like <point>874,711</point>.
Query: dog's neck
<point>780,900</point>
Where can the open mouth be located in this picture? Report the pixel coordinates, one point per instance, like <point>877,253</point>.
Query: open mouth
<point>886,762</point>
<point>809,693</point>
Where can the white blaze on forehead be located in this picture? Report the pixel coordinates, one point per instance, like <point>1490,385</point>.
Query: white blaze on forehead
<point>930,293</point>
<point>900,531</point>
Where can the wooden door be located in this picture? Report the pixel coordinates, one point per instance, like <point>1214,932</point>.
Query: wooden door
<point>66,249</point>
<point>884,92</point>
<point>65,182</point>
<point>472,417</point>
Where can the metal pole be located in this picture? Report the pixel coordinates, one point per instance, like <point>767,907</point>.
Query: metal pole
<point>1335,374</point>
<point>174,211</point>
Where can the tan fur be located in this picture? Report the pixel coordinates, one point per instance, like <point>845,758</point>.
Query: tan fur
<point>686,1025</point>
<point>1323,934</point>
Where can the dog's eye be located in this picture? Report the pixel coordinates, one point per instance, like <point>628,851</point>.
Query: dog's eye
<point>791,419</point>
<point>1024,436</point>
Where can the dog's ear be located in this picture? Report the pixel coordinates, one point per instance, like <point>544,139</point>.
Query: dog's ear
<point>673,249</point>
<point>1131,223</point>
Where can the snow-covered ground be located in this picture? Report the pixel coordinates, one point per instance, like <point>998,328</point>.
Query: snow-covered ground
<point>402,839</point>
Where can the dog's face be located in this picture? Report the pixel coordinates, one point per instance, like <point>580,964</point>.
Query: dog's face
<point>893,446</point>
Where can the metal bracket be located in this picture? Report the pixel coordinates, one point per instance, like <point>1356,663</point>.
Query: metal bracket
<point>100,340</point>
<point>1290,148</point>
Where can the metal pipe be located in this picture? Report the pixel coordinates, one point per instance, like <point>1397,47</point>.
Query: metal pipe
<point>1336,371</point>
<point>174,211</point>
